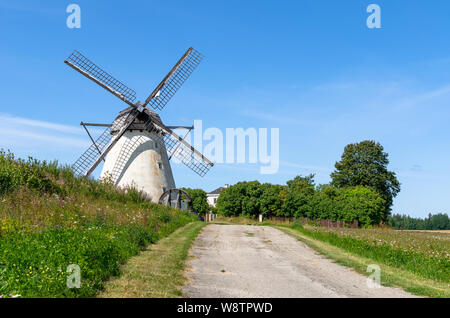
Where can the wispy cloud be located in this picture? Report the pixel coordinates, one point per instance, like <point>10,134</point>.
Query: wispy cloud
<point>27,137</point>
<point>25,122</point>
<point>19,131</point>
<point>424,97</point>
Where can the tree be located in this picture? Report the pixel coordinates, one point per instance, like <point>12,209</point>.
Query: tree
<point>298,202</point>
<point>362,204</point>
<point>199,202</point>
<point>240,199</point>
<point>365,164</point>
<point>251,195</point>
<point>271,199</point>
<point>324,203</point>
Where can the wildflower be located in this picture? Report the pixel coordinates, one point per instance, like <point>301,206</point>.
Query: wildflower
<point>14,296</point>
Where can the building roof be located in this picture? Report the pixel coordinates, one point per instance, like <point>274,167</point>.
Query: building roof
<point>217,191</point>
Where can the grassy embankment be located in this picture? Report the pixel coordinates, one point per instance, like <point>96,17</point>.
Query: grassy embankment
<point>157,271</point>
<point>50,220</point>
<point>416,261</point>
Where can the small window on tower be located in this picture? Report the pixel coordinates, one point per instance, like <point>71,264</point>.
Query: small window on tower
<point>159,165</point>
<point>156,145</point>
<point>164,190</point>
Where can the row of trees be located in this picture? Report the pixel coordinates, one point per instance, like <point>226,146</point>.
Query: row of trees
<point>361,188</point>
<point>438,221</point>
<point>301,198</point>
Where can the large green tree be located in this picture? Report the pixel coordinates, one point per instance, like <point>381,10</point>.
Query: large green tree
<point>365,164</point>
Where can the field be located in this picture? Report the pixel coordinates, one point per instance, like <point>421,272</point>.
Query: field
<point>51,221</point>
<point>429,243</point>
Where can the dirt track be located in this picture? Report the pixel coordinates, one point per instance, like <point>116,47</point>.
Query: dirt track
<point>257,261</point>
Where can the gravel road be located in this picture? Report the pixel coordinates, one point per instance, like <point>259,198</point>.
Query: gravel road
<point>259,261</point>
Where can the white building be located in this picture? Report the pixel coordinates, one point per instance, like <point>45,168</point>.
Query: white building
<point>212,196</point>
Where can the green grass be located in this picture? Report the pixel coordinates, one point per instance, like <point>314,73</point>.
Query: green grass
<point>50,219</point>
<point>158,271</point>
<point>390,275</point>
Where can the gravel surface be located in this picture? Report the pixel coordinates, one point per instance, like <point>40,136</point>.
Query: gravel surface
<point>260,261</point>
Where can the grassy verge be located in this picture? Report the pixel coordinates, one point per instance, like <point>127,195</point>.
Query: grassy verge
<point>358,259</point>
<point>158,271</point>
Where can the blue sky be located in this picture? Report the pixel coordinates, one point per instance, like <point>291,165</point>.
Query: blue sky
<point>310,68</point>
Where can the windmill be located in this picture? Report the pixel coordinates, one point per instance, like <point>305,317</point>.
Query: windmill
<point>137,147</point>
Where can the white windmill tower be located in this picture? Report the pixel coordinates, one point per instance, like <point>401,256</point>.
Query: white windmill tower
<point>137,146</point>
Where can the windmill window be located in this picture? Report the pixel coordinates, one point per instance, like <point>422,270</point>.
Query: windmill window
<point>159,165</point>
<point>164,190</point>
<point>156,145</point>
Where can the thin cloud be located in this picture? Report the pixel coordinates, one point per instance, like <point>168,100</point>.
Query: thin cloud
<point>19,131</point>
<point>25,137</point>
<point>424,97</point>
<point>6,119</point>
<point>12,120</point>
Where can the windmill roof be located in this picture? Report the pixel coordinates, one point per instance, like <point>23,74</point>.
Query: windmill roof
<point>139,122</point>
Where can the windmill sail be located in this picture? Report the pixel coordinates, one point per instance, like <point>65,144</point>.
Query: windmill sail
<point>92,153</point>
<point>174,79</point>
<point>90,159</point>
<point>88,68</point>
<point>178,148</point>
<point>175,146</point>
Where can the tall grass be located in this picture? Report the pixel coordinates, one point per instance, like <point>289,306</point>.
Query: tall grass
<point>49,219</point>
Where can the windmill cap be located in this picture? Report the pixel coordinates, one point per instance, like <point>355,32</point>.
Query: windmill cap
<point>139,122</point>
